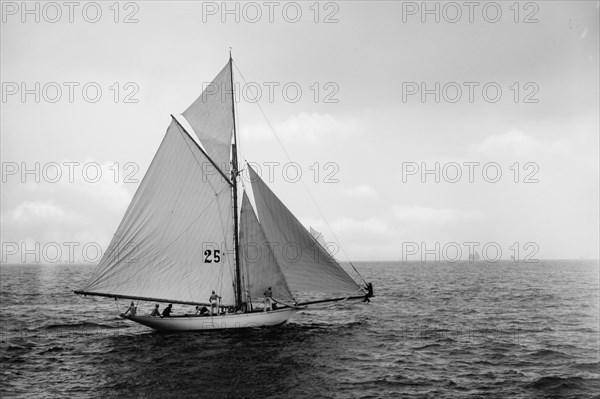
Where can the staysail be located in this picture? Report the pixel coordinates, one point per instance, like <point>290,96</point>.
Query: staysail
<point>175,242</point>
<point>211,117</point>
<point>261,269</point>
<point>306,265</point>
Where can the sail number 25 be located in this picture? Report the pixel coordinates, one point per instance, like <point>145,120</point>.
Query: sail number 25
<point>211,256</point>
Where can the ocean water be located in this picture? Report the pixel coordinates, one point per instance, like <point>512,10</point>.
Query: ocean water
<point>526,330</point>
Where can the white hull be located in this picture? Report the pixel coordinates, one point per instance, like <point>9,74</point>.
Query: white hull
<point>223,322</point>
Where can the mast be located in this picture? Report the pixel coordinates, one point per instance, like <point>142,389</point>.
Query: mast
<point>234,173</point>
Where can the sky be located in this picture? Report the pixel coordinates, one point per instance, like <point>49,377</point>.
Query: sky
<point>420,129</point>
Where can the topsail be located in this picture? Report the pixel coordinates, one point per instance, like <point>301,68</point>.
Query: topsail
<point>211,117</point>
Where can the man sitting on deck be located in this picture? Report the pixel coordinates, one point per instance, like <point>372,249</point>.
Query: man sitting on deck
<point>131,310</point>
<point>167,311</point>
<point>155,311</point>
<point>201,311</point>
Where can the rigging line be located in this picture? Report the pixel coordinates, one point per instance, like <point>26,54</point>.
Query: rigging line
<point>333,303</point>
<point>265,116</point>
<point>302,180</point>
<point>243,241</point>
<point>351,296</point>
<point>238,147</point>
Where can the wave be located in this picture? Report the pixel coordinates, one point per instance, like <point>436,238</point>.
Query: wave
<point>428,346</point>
<point>556,384</point>
<point>52,349</point>
<point>323,324</point>
<point>11,345</point>
<point>549,354</point>
<point>595,367</point>
<point>81,326</point>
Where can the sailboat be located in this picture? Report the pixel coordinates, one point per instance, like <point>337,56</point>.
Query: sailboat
<point>474,257</point>
<point>185,234</point>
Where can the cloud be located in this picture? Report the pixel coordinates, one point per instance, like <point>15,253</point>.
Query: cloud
<point>518,143</point>
<point>70,209</point>
<point>363,191</point>
<point>304,127</point>
<point>345,226</point>
<point>370,225</point>
<point>432,215</point>
<point>35,211</point>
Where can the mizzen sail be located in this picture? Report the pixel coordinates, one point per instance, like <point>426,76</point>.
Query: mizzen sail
<point>178,214</point>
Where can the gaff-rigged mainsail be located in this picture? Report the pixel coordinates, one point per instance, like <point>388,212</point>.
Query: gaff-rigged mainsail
<point>306,265</point>
<point>178,213</point>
